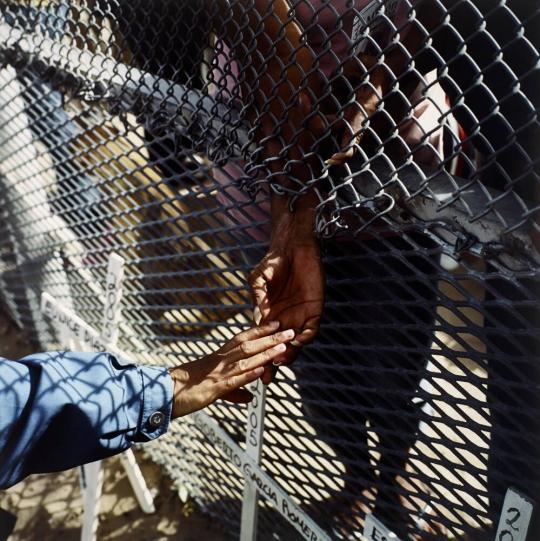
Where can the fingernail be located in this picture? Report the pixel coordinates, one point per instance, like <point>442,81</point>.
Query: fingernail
<point>295,343</point>
<point>288,334</point>
<point>259,371</point>
<point>274,324</point>
<point>280,347</point>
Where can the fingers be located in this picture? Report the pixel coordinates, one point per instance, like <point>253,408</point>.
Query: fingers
<point>268,374</point>
<point>288,357</point>
<point>249,348</point>
<point>252,333</point>
<point>238,396</point>
<point>252,348</point>
<point>258,332</point>
<point>304,338</point>
<point>247,370</point>
<point>352,131</point>
<point>308,333</point>
<point>232,383</point>
<point>339,158</point>
<point>370,84</point>
<point>292,350</point>
<point>259,291</point>
<point>260,359</point>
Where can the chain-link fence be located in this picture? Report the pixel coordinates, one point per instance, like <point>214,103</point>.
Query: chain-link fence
<point>159,130</point>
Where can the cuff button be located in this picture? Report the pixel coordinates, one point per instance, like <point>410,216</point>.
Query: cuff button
<point>156,419</point>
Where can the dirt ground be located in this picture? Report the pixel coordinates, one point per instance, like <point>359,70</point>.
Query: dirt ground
<point>49,507</point>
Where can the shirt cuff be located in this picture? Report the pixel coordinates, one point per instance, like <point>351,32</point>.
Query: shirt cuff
<point>157,387</point>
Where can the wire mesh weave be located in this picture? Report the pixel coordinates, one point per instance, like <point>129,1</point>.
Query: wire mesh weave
<point>158,130</point>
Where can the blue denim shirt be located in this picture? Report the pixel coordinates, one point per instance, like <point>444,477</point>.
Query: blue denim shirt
<point>63,409</point>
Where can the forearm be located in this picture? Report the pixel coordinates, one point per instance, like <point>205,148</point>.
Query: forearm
<point>59,410</point>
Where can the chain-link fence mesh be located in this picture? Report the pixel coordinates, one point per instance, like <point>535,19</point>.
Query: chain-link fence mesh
<point>160,130</point>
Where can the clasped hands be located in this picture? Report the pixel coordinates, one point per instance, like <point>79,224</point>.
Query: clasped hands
<point>288,288</point>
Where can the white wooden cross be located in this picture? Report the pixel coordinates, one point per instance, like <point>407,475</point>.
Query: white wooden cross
<point>75,334</point>
<point>254,441</point>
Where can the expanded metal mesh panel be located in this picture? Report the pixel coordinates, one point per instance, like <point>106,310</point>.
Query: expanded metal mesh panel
<point>160,130</point>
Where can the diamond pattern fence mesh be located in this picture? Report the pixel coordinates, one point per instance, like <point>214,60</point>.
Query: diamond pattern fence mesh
<point>162,130</point>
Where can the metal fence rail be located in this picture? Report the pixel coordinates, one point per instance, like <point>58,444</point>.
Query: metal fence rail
<point>158,130</point>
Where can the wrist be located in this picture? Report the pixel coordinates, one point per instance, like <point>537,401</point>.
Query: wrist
<point>179,377</point>
<point>296,227</point>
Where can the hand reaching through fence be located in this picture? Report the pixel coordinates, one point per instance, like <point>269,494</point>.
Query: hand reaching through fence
<point>288,284</point>
<point>223,373</point>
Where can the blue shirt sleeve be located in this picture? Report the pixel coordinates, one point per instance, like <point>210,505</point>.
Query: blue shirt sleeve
<point>63,409</point>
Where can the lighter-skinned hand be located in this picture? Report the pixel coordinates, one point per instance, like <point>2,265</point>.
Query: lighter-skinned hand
<point>223,373</point>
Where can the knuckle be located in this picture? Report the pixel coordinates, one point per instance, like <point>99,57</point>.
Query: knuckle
<point>254,277</point>
<point>242,365</point>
